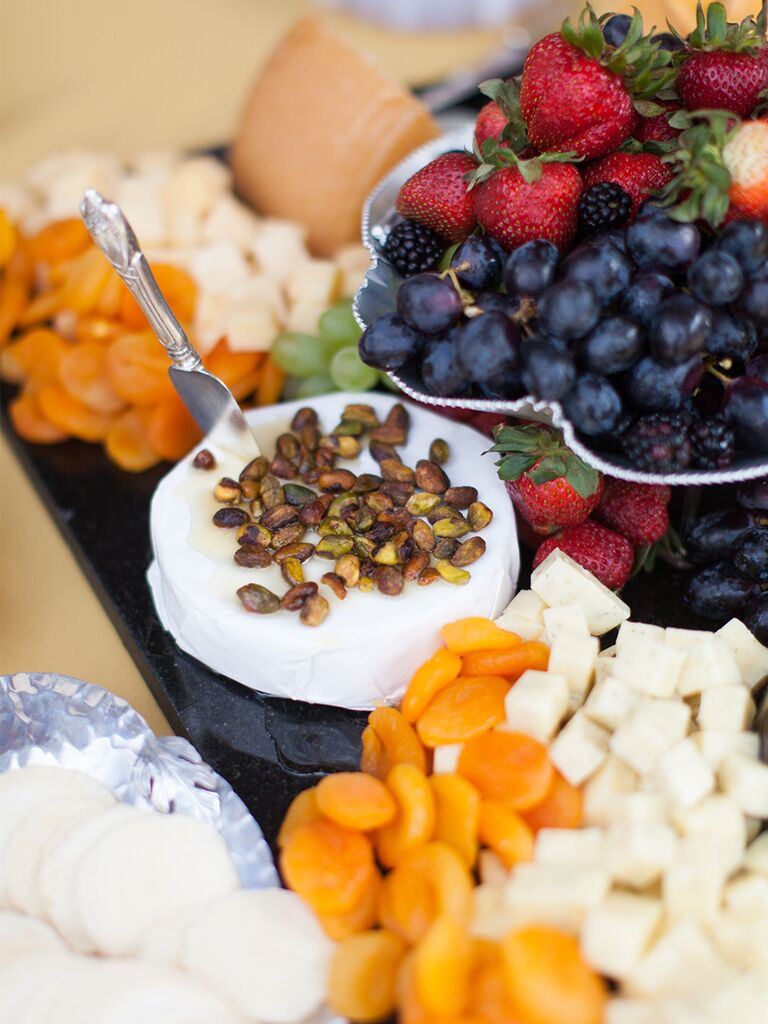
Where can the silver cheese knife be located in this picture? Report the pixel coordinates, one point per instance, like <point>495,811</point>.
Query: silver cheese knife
<point>208,399</point>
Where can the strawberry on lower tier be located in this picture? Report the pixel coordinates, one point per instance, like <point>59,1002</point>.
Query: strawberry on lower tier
<point>658,128</point>
<point>639,174</point>
<point>490,123</point>
<point>604,553</point>
<point>636,511</point>
<point>550,486</point>
<point>437,196</point>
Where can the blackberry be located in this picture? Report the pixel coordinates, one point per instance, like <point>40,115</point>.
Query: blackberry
<point>413,248</point>
<point>658,443</point>
<point>602,207</point>
<point>713,443</point>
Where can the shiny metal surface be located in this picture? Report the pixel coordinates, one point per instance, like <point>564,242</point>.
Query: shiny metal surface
<point>208,399</point>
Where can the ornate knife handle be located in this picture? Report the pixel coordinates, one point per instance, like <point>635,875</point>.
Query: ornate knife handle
<point>113,234</point>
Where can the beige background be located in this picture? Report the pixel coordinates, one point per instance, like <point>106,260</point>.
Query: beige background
<point>128,76</point>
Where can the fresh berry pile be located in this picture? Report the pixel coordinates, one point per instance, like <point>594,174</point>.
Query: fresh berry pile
<point>729,548</point>
<point>606,244</point>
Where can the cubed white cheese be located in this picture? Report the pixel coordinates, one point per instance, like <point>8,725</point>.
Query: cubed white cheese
<point>230,220</point>
<point>684,774</point>
<point>637,854</point>
<point>747,893</point>
<point>573,655</point>
<point>649,665</point>
<point>754,826</point>
<point>577,846</point>
<point>314,281</point>
<point>750,654</point>
<point>684,639</point>
<point>692,889</point>
<point>708,663</point>
<point>637,635</point>
<point>279,248</point>
<point>490,919</point>
<point>727,708</point>
<point>445,758</point>
<point>617,932</point>
<point>537,704</point>
<point>353,261</point>
<point>580,749</point>
<point>713,831</point>
<point>604,666</point>
<point>746,782</point>
<point>714,744</point>
<point>197,183</point>
<point>647,732</point>
<point>255,315</point>
<point>683,961</point>
<point>558,895</point>
<point>742,939</point>
<point>184,229</point>
<point>142,203</point>
<point>756,856</point>
<point>640,807</point>
<point>635,1011</point>
<point>568,618</point>
<point>559,580</point>
<point>608,785</point>
<point>491,868</point>
<point>526,629</point>
<point>211,312</point>
<point>219,266</point>
<point>610,701</point>
<point>528,604</point>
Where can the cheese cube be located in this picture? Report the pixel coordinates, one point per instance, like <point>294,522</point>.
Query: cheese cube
<point>748,894</point>
<point>649,666</point>
<point>715,744</point>
<point>314,281</point>
<point>559,580</point>
<point>754,827</point>
<point>637,635</point>
<point>584,847</point>
<point>197,183</point>
<point>634,1011</point>
<point>353,262</point>
<point>573,655</point>
<point>618,931</point>
<point>727,708</point>
<point>558,895</point>
<point>218,266</point>
<point>491,869</point>
<point>445,758</point>
<point>713,831</point>
<point>684,639</point>
<point>742,939</point>
<point>231,221</point>
<point>255,315</point>
<point>647,732</point>
<point>751,655</point>
<point>756,857</point>
<point>603,666</point>
<point>526,629</point>
<point>709,663</point>
<point>279,249</point>
<point>636,854</point>
<point>211,313</point>
<point>602,792</point>
<point>490,919</point>
<point>640,807</point>
<point>692,889</point>
<point>580,749</point>
<point>746,782</point>
<point>569,618</point>
<point>143,205</point>
<point>683,961</point>
<point>684,774</point>
<point>610,701</point>
<point>304,316</point>
<point>528,604</point>
<point>537,704</point>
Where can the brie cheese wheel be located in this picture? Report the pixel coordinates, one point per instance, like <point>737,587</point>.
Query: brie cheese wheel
<point>367,649</point>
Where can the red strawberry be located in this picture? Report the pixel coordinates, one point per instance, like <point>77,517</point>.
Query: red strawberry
<point>638,174</point>
<point>658,128</point>
<point>486,422</point>
<point>490,123</point>
<point>607,555</point>
<point>549,485</point>
<point>636,511</point>
<point>724,67</point>
<point>531,199</point>
<point>437,196</point>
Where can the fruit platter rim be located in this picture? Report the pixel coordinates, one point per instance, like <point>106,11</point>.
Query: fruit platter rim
<point>377,289</point>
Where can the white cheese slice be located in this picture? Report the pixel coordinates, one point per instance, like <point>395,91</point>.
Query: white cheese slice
<point>683,961</point>
<point>568,618</point>
<point>445,758</point>
<point>578,846</point>
<point>714,744</point>
<point>526,629</point>
<point>579,749</point>
<point>636,854</point>
<point>707,664</point>
<point>559,895</point>
<point>618,931</point>
<point>559,580</point>
<point>647,732</point>
<point>750,654</point>
<point>746,782</point>
<point>602,793</point>
<point>684,774</point>
<point>610,700</point>
<point>370,645</point>
<point>727,708</point>
<point>528,604</point>
<point>573,655</point>
<point>537,704</point>
<point>756,857</point>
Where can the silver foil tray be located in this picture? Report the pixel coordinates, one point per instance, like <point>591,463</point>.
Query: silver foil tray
<point>376,298</point>
<point>52,719</point>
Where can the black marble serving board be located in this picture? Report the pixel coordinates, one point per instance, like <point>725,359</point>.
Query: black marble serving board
<point>267,748</point>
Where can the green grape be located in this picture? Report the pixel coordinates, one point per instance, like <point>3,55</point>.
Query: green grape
<point>301,355</point>
<point>338,326</point>
<point>388,383</point>
<point>350,373</point>
<point>448,255</point>
<point>317,384</point>
<point>291,389</point>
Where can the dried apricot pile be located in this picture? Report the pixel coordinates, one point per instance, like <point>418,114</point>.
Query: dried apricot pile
<point>387,857</point>
<point>79,348</point>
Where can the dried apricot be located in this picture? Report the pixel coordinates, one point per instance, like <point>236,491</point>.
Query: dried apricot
<point>356,800</point>
<point>172,430</point>
<point>510,663</point>
<point>409,1008</point>
<point>302,809</point>
<point>414,822</point>
<point>9,238</point>
<point>407,904</point>
<point>457,810</point>
<point>111,298</point>
<point>177,286</point>
<point>60,240</point>
<point>128,444</point>
<point>428,679</point>
<point>477,634</point>
<point>364,915</point>
<point>389,740</point>
<point>362,983</point>
<point>441,964</point>
<point>83,373</point>
<point>441,868</point>
<point>507,766</point>
<point>328,866</point>
<point>72,416</point>
<point>548,980</point>
<point>86,280</point>
<point>488,994</point>
<point>562,807</point>
<point>93,327</point>
<point>30,423</point>
<point>229,366</point>
<point>14,293</point>
<point>271,384</point>
<point>505,832</point>
<point>37,355</point>
<point>137,367</point>
<point>463,709</point>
